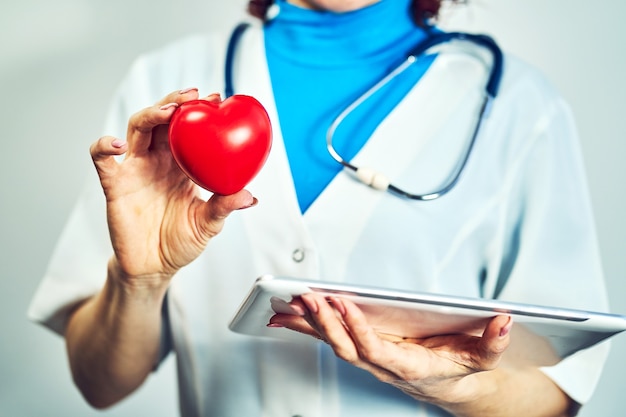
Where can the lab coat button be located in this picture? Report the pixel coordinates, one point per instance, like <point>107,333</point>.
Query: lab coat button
<point>298,256</point>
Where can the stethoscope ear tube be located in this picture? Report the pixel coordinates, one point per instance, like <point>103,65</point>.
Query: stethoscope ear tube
<point>493,83</point>
<point>230,58</point>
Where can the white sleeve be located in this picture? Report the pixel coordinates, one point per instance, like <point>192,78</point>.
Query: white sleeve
<point>554,255</point>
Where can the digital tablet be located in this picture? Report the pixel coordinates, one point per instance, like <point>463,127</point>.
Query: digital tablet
<point>541,335</point>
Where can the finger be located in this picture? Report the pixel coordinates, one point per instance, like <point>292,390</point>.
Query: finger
<point>211,215</point>
<point>392,357</point>
<point>300,308</point>
<point>160,134</point>
<point>493,343</point>
<point>329,320</point>
<point>181,96</point>
<point>295,319</point>
<point>293,322</point>
<point>213,98</point>
<point>329,323</point>
<point>380,351</point>
<point>103,152</point>
<point>142,123</point>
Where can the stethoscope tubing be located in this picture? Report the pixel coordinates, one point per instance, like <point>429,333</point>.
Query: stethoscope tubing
<point>369,176</point>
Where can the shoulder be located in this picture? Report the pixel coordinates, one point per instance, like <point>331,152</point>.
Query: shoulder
<point>528,113</point>
<point>525,86</point>
<point>529,103</point>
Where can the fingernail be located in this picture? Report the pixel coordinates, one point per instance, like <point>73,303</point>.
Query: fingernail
<point>338,304</point>
<point>186,90</point>
<point>252,204</point>
<point>507,327</point>
<point>274,325</point>
<point>117,143</point>
<point>168,106</point>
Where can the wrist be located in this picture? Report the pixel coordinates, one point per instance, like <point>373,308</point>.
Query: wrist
<point>147,284</point>
<point>130,300</point>
<point>136,283</point>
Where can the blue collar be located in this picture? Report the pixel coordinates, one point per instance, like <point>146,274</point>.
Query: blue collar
<point>329,39</point>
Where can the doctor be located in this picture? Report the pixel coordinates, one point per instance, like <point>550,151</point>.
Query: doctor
<point>171,263</point>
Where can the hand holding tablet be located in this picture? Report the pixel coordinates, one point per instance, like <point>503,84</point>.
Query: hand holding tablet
<point>541,335</point>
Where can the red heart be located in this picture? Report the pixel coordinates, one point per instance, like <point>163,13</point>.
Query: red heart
<point>221,146</point>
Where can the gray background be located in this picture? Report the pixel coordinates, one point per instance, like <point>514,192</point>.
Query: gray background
<point>60,61</point>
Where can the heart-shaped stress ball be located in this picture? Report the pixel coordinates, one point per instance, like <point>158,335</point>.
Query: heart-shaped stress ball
<point>221,146</point>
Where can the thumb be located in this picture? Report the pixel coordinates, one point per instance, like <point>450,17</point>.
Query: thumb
<point>214,212</point>
<point>494,341</point>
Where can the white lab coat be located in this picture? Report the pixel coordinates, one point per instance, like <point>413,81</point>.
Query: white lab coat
<point>518,226</point>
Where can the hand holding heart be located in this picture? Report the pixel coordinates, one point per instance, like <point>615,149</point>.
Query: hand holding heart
<point>157,221</point>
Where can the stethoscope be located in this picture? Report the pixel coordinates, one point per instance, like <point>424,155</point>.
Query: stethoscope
<point>369,176</point>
